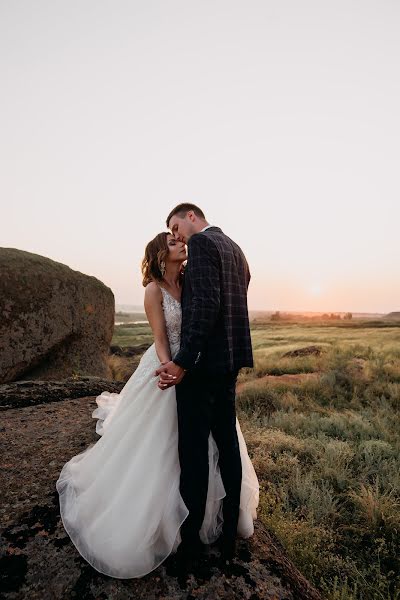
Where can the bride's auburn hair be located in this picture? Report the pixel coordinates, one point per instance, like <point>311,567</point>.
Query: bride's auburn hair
<point>156,251</point>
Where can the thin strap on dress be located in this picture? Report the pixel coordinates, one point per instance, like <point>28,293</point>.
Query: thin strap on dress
<point>164,291</point>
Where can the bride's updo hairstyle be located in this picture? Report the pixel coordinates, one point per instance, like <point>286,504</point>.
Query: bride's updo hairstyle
<point>156,251</point>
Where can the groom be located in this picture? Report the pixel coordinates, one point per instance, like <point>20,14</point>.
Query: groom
<point>215,344</point>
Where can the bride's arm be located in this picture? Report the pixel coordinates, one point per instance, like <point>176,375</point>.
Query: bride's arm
<point>155,315</point>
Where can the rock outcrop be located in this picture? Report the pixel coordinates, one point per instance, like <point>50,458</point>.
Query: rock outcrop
<point>31,393</point>
<point>54,322</point>
<point>38,560</point>
<point>307,351</point>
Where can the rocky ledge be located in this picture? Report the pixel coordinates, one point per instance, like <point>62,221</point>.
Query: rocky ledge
<point>31,393</point>
<point>38,560</point>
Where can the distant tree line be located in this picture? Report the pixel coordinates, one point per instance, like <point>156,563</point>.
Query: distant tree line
<point>279,316</point>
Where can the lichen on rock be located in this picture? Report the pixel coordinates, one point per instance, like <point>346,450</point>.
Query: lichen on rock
<point>54,322</point>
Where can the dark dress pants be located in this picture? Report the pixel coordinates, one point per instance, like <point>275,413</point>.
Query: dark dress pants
<point>207,403</point>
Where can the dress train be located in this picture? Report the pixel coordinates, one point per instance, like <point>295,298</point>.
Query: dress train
<point>119,499</point>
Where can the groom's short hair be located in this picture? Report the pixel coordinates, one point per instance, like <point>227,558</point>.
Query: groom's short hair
<point>182,209</point>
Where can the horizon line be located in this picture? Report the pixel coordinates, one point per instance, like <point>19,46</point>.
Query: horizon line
<point>291,311</point>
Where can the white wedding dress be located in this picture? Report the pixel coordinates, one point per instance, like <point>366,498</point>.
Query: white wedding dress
<point>119,499</point>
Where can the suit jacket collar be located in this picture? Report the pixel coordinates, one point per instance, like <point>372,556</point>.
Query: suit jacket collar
<point>212,228</point>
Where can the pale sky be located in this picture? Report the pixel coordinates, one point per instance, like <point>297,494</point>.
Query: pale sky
<point>281,120</point>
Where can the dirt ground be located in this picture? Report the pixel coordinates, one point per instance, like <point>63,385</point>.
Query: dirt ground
<point>38,560</point>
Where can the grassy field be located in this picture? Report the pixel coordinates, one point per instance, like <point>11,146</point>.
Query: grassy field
<point>326,448</point>
<point>129,334</point>
<point>327,452</point>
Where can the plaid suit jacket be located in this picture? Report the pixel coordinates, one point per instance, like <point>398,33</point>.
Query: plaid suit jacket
<point>215,335</point>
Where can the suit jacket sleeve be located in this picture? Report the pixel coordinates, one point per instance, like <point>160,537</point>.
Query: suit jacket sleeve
<point>204,273</point>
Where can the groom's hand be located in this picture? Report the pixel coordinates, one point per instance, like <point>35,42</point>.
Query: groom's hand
<point>170,374</point>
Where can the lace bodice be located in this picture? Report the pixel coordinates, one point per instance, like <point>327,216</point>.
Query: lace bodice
<point>173,317</point>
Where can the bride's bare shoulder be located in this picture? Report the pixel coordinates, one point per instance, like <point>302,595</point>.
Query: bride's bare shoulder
<point>152,292</point>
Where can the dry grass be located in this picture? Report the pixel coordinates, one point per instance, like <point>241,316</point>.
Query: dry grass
<point>122,367</point>
<point>325,445</point>
<point>326,451</point>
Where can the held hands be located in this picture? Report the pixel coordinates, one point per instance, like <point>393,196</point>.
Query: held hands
<point>170,374</point>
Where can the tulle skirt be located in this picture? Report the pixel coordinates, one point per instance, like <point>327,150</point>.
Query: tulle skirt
<point>119,499</point>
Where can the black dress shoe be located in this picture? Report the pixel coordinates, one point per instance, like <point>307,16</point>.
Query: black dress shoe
<point>226,546</point>
<point>191,549</point>
<point>180,563</point>
<point>228,551</point>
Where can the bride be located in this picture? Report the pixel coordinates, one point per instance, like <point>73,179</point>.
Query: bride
<point>119,499</point>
